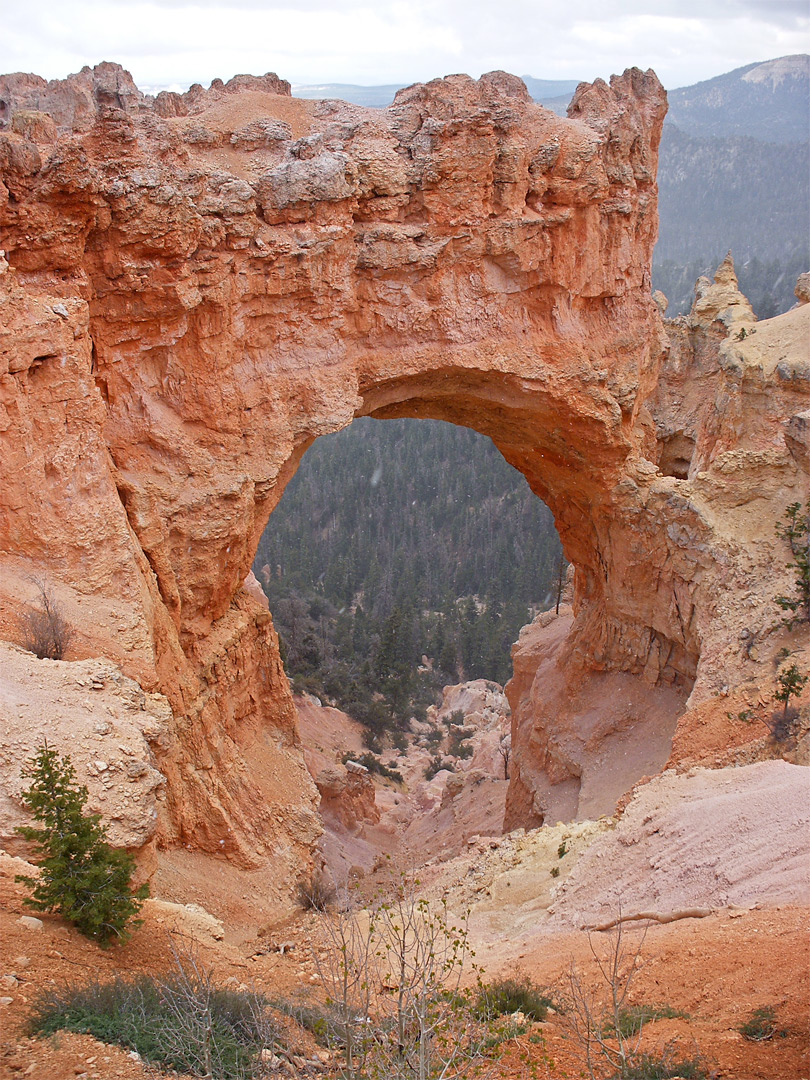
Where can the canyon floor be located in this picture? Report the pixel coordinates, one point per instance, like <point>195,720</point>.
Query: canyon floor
<point>731,843</point>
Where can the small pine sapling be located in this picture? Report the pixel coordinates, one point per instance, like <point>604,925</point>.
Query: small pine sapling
<point>791,683</point>
<point>81,876</point>
<point>796,530</point>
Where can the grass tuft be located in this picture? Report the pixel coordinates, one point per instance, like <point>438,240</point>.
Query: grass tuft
<point>308,1015</point>
<point>176,1022</point>
<point>633,1018</point>
<point>663,1067</point>
<point>507,996</point>
<point>761,1025</point>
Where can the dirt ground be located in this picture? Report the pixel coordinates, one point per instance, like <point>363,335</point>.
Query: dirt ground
<point>715,969</point>
<point>732,841</point>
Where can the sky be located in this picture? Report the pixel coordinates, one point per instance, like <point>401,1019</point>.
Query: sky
<point>173,43</point>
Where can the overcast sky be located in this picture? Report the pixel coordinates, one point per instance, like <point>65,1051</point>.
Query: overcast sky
<point>172,43</point>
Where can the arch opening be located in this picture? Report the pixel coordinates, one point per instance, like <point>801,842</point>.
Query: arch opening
<point>595,696</point>
<point>404,557</point>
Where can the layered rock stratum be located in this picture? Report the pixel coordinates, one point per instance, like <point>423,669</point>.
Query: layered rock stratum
<point>198,286</point>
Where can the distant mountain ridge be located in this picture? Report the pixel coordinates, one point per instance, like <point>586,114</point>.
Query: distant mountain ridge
<point>372,97</point>
<point>543,90</point>
<point>768,101</point>
<point>378,97</point>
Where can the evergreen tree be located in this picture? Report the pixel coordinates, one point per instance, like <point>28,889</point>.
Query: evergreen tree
<point>791,683</point>
<point>796,530</point>
<point>81,876</point>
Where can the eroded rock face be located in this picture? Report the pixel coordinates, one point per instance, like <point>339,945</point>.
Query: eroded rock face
<point>347,796</point>
<point>481,708</point>
<point>200,286</point>
<point>730,415</point>
<point>692,841</point>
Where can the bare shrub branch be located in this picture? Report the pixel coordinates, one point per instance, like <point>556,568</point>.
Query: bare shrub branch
<point>194,1009</point>
<point>180,1020</point>
<point>316,893</point>
<point>393,977</point>
<point>347,969</point>
<point>594,1018</point>
<point>505,751</point>
<point>603,1021</point>
<point>45,631</point>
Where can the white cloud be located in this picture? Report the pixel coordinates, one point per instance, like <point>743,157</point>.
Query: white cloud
<point>178,41</point>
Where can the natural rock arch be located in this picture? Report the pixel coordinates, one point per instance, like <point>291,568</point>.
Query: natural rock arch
<point>201,285</point>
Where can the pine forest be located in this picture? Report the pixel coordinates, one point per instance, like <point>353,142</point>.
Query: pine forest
<point>404,555</point>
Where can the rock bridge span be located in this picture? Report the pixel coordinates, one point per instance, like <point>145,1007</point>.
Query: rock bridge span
<point>200,285</point>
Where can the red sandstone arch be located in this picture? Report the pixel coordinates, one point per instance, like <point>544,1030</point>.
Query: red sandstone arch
<point>202,285</point>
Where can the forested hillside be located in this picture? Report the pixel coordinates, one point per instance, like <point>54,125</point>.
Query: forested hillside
<point>732,194</point>
<point>734,175</point>
<point>398,540</point>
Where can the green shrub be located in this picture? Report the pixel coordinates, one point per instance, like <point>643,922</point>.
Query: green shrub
<point>761,1025</point>
<point>458,746</point>
<point>374,765</point>
<point>81,876</point>
<point>433,738</point>
<point>632,1018</point>
<point>506,996</point>
<point>666,1066</point>
<point>312,1017</point>
<point>796,531</point>
<point>746,715</point>
<point>181,1021</point>
<point>371,741</point>
<point>503,1030</point>
<point>436,764</point>
<point>399,740</point>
